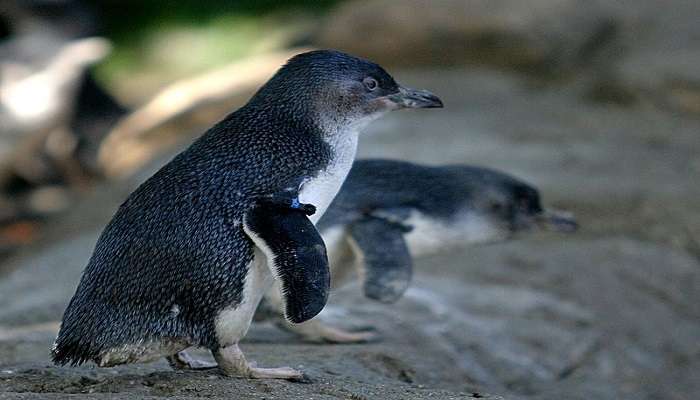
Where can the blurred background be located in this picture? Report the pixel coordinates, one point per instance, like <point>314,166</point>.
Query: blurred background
<point>595,102</point>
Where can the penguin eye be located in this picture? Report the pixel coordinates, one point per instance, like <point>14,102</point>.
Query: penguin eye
<point>370,83</point>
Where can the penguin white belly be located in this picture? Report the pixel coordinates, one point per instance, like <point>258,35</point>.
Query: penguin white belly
<point>322,188</point>
<point>430,234</point>
<point>232,323</point>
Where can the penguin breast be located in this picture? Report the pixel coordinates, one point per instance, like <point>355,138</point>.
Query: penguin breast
<point>320,189</point>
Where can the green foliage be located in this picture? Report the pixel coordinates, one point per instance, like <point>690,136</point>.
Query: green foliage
<point>159,41</point>
<point>129,18</point>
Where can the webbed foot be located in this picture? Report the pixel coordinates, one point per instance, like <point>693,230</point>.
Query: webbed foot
<point>232,363</point>
<point>317,331</point>
<point>336,335</point>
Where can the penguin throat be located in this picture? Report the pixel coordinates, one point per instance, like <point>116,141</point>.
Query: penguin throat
<point>334,127</point>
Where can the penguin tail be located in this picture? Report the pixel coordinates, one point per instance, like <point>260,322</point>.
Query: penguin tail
<point>73,351</point>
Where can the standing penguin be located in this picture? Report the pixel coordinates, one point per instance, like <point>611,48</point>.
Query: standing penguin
<point>389,211</point>
<point>187,257</point>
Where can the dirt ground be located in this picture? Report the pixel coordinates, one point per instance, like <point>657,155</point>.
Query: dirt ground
<point>610,312</point>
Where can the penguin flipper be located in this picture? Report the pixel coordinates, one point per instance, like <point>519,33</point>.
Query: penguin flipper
<point>296,255</point>
<point>384,255</point>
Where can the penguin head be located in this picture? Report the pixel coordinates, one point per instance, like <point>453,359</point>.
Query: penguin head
<point>339,91</point>
<point>509,206</point>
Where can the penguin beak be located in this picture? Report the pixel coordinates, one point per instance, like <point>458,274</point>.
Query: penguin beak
<point>414,98</point>
<point>557,221</point>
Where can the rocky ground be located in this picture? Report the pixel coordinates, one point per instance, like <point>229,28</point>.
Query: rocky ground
<point>611,312</point>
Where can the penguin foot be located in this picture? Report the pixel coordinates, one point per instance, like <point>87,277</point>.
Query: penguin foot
<point>316,331</point>
<point>232,362</point>
<point>276,373</point>
<point>182,360</point>
<point>337,335</point>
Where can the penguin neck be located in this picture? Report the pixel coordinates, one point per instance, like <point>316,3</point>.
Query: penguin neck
<point>338,126</point>
<point>341,135</point>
